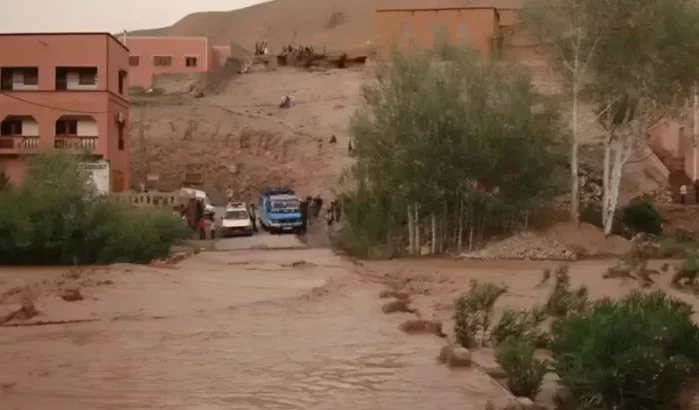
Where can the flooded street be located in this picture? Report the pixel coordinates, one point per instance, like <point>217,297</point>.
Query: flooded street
<point>244,329</point>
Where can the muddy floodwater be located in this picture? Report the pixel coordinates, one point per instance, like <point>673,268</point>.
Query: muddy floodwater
<point>241,329</point>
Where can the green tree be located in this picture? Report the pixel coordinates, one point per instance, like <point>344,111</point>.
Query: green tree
<point>641,63</point>
<point>55,217</point>
<point>433,123</point>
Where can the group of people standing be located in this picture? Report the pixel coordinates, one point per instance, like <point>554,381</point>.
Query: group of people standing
<point>311,208</point>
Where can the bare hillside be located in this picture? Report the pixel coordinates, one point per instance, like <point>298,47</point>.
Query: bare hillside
<point>241,137</point>
<point>337,25</point>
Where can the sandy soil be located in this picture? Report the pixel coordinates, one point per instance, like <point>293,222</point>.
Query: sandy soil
<point>436,283</point>
<point>241,138</point>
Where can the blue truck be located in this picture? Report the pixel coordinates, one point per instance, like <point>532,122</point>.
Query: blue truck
<point>280,210</point>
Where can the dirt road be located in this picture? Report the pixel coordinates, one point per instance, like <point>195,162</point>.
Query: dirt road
<point>245,329</point>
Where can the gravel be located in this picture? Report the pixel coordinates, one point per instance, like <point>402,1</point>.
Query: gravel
<point>524,245</point>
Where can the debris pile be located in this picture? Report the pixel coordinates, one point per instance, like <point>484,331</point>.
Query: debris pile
<point>524,245</point>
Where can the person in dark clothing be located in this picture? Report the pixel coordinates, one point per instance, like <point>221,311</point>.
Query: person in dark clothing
<point>304,216</point>
<point>253,217</point>
<point>338,210</point>
<point>310,210</point>
<point>317,206</point>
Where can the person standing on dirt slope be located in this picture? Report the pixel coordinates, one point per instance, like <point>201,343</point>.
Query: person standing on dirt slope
<point>253,217</point>
<point>337,206</point>
<point>330,215</point>
<point>683,194</point>
<point>303,207</point>
<point>311,210</point>
<point>318,206</point>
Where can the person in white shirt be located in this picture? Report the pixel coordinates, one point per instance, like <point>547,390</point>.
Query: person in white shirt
<point>683,193</point>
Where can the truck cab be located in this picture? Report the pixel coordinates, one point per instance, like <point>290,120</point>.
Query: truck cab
<point>280,210</point>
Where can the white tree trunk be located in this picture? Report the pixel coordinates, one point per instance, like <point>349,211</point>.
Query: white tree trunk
<point>616,153</point>
<point>574,149</point>
<point>460,231</point>
<point>416,228</point>
<point>433,227</point>
<point>411,232</point>
<point>472,227</point>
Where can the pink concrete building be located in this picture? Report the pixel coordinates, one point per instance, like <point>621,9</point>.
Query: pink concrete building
<point>67,91</point>
<point>150,56</point>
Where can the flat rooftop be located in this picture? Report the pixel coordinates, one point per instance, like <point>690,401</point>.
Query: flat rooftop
<point>65,33</point>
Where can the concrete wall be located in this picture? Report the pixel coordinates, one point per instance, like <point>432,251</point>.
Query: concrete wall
<point>403,29</point>
<point>177,48</point>
<point>96,109</point>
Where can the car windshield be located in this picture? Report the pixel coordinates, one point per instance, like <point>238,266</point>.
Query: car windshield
<point>288,206</point>
<point>236,215</point>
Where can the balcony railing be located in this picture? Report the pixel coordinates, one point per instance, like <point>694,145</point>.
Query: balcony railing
<point>85,144</point>
<point>18,144</point>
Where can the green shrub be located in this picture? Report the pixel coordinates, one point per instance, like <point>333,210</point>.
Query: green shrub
<point>4,180</point>
<point>54,217</point>
<point>593,216</point>
<point>630,354</point>
<point>521,325</point>
<point>687,272</point>
<point>563,301</point>
<point>641,216</point>
<point>524,372</point>
<point>473,312</point>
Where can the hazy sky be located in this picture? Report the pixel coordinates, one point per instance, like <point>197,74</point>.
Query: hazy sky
<point>103,15</point>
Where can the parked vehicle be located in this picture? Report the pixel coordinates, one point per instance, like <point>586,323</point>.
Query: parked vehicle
<point>236,221</point>
<point>280,210</point>
<point>200,196</point>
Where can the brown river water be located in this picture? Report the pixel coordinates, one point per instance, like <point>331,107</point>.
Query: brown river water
<point>224,330</point>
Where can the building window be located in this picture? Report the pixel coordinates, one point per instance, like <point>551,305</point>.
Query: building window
<point>11,128</point>
<point>67,127</point>
<point>87,76</point>
<point>120,136</point>
<point>134,61</point>
<point>76,78</point>
<point>122,81</point>
<point>19,78</point>
<point>162,61</point>
<point>463,30</point>
<point>406,30</point>
<point>31,76</point>
<point>190,61</point>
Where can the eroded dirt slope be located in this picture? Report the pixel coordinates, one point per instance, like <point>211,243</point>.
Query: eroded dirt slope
<point>241,138</point>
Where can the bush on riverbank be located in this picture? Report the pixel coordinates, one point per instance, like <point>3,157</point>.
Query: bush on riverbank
<point>55,217</point>
<point>634,353</point>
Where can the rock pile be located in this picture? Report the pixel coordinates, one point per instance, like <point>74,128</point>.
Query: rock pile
<point>525,245</point>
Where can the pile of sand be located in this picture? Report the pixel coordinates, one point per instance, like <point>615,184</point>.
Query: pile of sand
<point>587,240</point>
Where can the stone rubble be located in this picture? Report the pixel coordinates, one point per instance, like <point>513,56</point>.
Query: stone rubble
<point>524,245</point>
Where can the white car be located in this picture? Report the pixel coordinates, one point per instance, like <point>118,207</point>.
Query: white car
<point>236,221</point>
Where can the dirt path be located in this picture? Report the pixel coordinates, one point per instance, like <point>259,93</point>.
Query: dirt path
<point>254,329</point>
